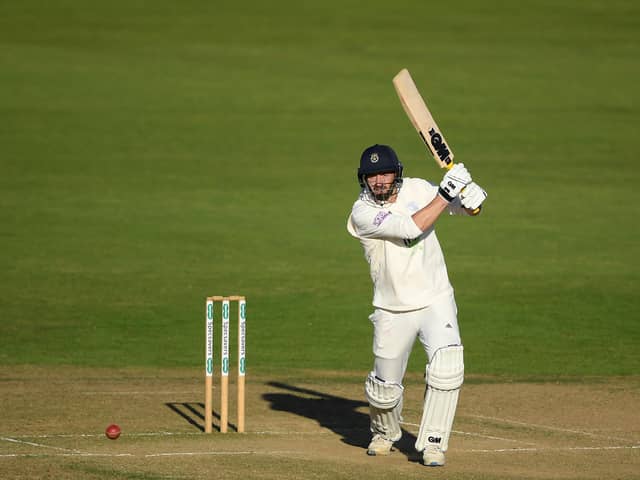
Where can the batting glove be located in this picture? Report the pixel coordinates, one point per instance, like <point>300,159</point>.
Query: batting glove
<point>454,181</point>
<point>472,196</point>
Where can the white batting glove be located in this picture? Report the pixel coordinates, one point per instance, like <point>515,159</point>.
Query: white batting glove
<point>472,196</point>
<point>454,181</point>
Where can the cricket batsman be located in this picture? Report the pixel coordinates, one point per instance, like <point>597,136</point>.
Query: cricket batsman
<point>394,220</point>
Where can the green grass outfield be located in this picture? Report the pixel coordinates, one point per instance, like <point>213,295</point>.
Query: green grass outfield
<point>152,153</point>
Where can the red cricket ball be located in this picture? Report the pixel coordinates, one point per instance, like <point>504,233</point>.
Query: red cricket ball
<point>112,431</point>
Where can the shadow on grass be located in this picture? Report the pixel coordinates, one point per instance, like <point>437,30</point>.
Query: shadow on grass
<point>193,413</point>
<point>338,414</point>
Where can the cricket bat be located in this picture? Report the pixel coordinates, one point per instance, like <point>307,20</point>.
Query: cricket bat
<point>422,120</point>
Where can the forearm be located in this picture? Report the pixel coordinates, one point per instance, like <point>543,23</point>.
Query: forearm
<point>427,216</point>
<point>453,182</point>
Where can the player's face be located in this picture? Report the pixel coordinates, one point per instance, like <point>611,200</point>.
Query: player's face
<point>381,184</point>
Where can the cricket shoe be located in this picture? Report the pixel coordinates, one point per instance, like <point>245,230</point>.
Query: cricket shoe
<point>433,457</point>
<point>379,446</point>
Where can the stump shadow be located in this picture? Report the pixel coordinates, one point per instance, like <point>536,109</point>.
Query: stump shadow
<point>193,413</point>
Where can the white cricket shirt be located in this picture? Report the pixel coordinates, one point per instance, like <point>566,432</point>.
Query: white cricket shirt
<point>407,265</point>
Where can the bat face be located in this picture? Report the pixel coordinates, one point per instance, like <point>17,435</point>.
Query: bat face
<point>421,118</point>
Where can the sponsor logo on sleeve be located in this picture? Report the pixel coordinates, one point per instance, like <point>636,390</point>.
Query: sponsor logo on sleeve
<point>380,218</point>
<point>411,242</point>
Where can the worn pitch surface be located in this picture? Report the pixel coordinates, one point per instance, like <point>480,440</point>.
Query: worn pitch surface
<point>306,425</point>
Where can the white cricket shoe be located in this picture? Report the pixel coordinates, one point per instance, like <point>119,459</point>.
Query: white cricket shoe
<point>433,457</point>
<point>379,446</point>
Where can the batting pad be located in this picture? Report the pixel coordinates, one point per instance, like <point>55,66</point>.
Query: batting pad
<point>385,407</point>
<point>445,375</point>
<point>381,394</point>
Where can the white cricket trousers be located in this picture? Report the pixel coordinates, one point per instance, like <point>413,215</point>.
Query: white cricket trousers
<point>394,334</point>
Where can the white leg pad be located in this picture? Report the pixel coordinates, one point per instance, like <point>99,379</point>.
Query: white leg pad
<point>445,375</point>
<point>385,407</point>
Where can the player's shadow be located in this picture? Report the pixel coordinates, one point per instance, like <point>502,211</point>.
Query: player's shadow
<point>338,414</point>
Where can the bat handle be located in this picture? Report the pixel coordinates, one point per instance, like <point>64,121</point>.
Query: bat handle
<point>449,166</point>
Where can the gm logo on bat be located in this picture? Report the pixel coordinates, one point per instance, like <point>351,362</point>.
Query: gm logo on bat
<point>439,146</point>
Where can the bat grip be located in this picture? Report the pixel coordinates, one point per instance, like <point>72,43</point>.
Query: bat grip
<point>449,166</point>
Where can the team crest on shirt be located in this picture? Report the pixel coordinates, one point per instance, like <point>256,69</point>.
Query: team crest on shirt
<point>374,158</point>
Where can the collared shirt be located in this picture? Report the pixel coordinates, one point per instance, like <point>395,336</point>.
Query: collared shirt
<point>406,264</point>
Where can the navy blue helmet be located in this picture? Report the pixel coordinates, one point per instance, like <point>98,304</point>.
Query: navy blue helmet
<point>379,159</point>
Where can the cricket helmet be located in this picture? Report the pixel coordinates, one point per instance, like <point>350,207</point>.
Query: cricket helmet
<point>379,159</point>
